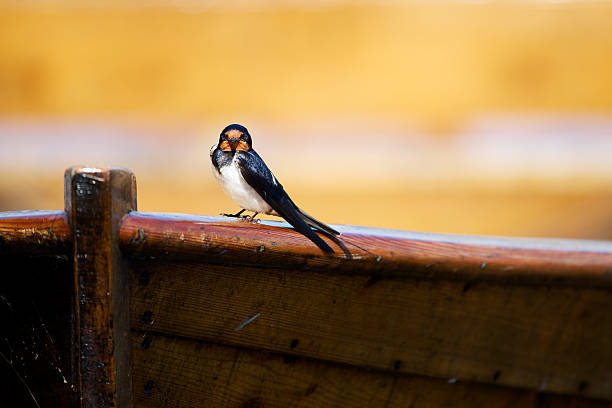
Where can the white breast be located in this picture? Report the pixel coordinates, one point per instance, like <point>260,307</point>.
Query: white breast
<point>235,186</point>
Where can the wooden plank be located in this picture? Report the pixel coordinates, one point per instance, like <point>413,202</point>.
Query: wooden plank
<point>541,338</point>
<point>183,373</point>
<point>35,334</point>
<point>34,232</point>
<point>367,251</point>
<point>96,200</point>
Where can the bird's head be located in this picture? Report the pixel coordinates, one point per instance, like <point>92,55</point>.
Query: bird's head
<point>235,138</point>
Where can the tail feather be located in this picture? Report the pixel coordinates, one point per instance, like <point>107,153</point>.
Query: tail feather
<point>294,217</point>
<point>318,241</point>
<point>309,220</point>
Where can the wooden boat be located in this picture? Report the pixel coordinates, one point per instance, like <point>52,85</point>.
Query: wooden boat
<point>105,306</point>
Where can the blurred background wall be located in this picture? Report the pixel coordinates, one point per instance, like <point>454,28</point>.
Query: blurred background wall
<point>480,117</point>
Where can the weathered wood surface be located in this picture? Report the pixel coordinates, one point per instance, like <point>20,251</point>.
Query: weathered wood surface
<point>182,373</point>
<point>35,331</point>
<point>35,310</point>
<point>388,253</point>
<point>96,200</point>
<point>34,232</point>
<point>548,338</point>
<point>391,311</point>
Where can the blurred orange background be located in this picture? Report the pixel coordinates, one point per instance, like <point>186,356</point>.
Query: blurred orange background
<point>479,117</point>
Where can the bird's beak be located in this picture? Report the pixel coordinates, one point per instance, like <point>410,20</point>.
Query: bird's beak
<point>233,144</point>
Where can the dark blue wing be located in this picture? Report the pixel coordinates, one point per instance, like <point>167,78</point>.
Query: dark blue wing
<point>258,175</point>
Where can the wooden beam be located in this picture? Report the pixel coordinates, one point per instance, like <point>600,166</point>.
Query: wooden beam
<point>182,373</point>
<point>96,200</point>
<point>371,251</point>
<point>34,232</point>
<point>547,338</point>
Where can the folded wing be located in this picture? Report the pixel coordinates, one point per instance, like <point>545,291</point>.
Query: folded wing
<point>260,178</point>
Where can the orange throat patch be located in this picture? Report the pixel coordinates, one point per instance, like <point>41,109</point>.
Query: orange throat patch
<point>228,146</point>
<point>225,146</point>
<point>242,146</point>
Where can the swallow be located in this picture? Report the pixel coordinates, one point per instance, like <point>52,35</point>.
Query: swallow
<point>246,179</point>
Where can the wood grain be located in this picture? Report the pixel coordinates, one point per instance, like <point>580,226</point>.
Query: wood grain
<point>182,373</point>
<point>379,321</point>
<point>541,338</point>
<point>34,232</point>
<point>385,252</point>
<point>96,200</point>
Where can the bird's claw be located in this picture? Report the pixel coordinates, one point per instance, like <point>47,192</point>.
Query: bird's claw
<point>234,215</point>
<point>249,218</point>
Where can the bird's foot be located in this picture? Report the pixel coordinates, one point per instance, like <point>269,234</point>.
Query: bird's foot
<point>252,218</point>
<point>237,215</point>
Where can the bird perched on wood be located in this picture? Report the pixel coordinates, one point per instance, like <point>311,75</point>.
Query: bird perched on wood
<point>246,179</point>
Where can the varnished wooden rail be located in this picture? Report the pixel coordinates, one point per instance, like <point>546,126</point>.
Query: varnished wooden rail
<point>478,309</point>
<point>35,231</point>
<point>225,312</point>
<point>369,251</point>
